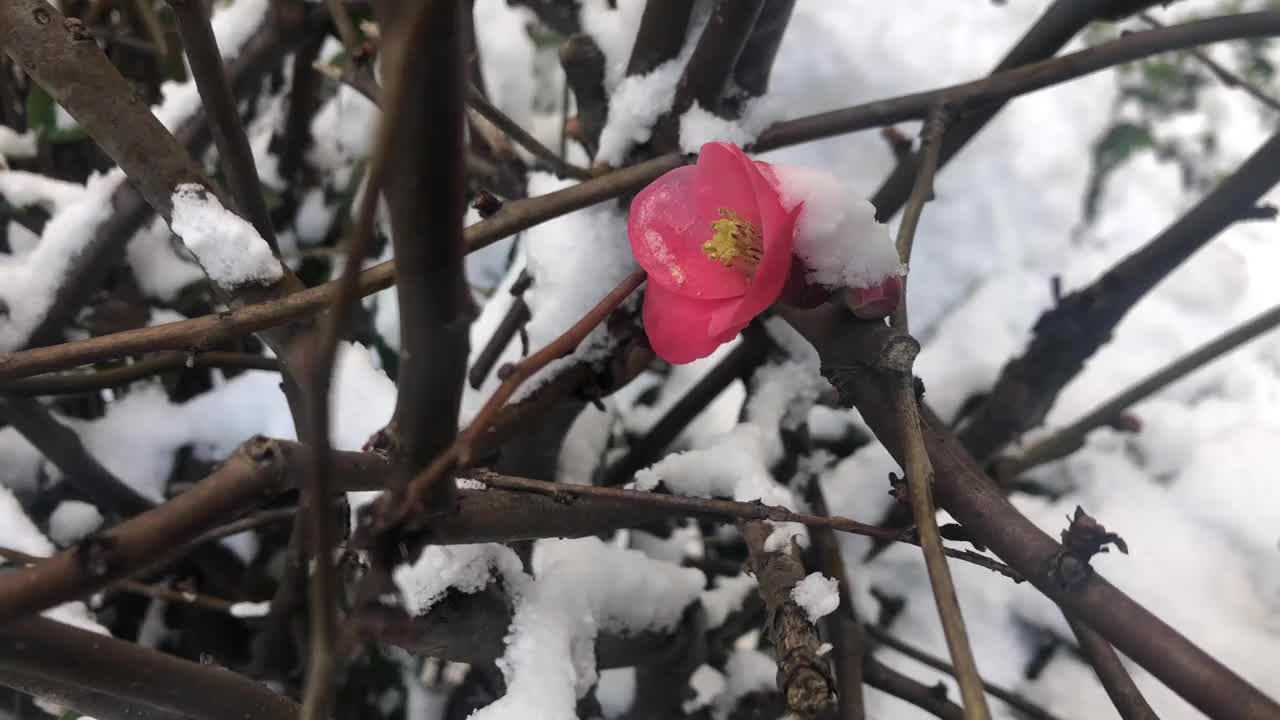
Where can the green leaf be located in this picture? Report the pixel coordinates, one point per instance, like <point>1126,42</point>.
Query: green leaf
<point>41,115</point>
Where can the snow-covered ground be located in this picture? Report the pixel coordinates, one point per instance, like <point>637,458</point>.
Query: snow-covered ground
<point>1194,494</point>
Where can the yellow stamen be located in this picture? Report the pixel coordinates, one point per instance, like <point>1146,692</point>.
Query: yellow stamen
<point>735,242</point>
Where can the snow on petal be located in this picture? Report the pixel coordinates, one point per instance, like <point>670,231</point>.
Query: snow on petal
<point>229,249</point>
<point>837,235</point>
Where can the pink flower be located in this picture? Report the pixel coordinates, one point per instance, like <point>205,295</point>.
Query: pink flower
<point>716,242</point>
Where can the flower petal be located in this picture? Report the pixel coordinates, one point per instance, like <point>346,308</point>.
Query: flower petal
<point>677,325</point>
<point>724,181</point>
<point>666,232</point>
<point>779,228</point>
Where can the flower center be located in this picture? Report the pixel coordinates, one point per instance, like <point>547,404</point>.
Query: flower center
<point>735,243</point>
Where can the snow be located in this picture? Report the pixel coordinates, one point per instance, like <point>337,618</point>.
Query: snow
<point>837,236</point>
<point>25,189</point>
<point>29,283</point>
<point>746,671</point>
<point>699,126</point>
<point>17,532</point>
<point>229,249</point>
<point>466,568</point>
<point>707,683</point>
<point>73,520</point>
<point>581,588</point>
<point>160,271</point>
<point>251,609</point>
<point>233,24</point>
<point>817,594</point>
<point>14,144</point>
<point>726,597</point>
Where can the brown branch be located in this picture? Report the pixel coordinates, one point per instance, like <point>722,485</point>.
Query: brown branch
<point>663,27</point>
<point>258,471</point>
<point>262,51</point>
<point>973,499</point>
<point>848,638</point>
<point>583,64</point>
<point>803,675</point>
<point>158,592</point>
<point>37,655</point>
<point>647,449</point>
<point>931,699</point>
<point>62,447</point>
<point>557,164</point>
<point>1019,703</point>
<point>1115,679</point>
<point>1071,438</point>
<point>426,197</point>
<point>1051,32</point>
<point>84,381</point>
<point>916,463</point>
<point>234,154</point>
<point>1225,76</point>
<point>1066,336</point>
<point>395,508</point>
<point>756,61</point>
<point>523,214</point>
<point>710,68</point>
<point>516,317</point>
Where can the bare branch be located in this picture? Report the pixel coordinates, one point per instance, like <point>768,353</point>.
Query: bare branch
<point>1225,76</point>
<point>663,27</point>
<point>522,214</point>
<point>1081,323</point>
<point>90,670</point>
<point>1071,438</point>
<point>63,448</point>
<point>972,498</point>
<point>803,675</point>
<point>1051,32</point>
<point>84,381</point>
<point>522,137</point>
<point>234,153</point>
<point>1115,679</point>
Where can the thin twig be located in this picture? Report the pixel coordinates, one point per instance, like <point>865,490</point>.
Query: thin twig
<point>158,592</point>
<point>523,214</point>
<point>1115,679</point>
<point>843,626</point>
<point>234,152</point>
<point>90,669</point>
<point>934,130</point>
<point>516,317</point>
<point>973,500</point>
<point>94,380</point>
<point>62,447</point>
<point>1071,438</point>
<point>1010,698</point>
<point>1067,335</point>
<point>1225,76</point>
<point>352,39</point>
<point>916,463</point>
<point>321,663</point>
<point>522,137</point>
<point>392,511</point>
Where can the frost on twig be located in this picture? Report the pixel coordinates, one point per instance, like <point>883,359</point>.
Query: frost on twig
<point>229,249</point>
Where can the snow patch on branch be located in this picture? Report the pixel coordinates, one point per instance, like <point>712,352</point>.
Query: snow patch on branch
<point>581,588</point>
<point>818,594</point>
<point>229,249</point>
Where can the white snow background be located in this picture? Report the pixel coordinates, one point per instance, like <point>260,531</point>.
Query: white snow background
<point>1194,494</point>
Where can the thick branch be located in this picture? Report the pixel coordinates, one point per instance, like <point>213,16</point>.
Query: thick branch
<point>1115,679</point>
<point>37,654</point>
<point>711,66</point>
<point>661,35</point>
<point>803,675</point>
<point>61,446</point>
<point>756,61</point>
<point>973,499</point>
<point>520,215</point>
<point>234,154</point>
<point>1069,334</point>
<point>1071,438</point>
